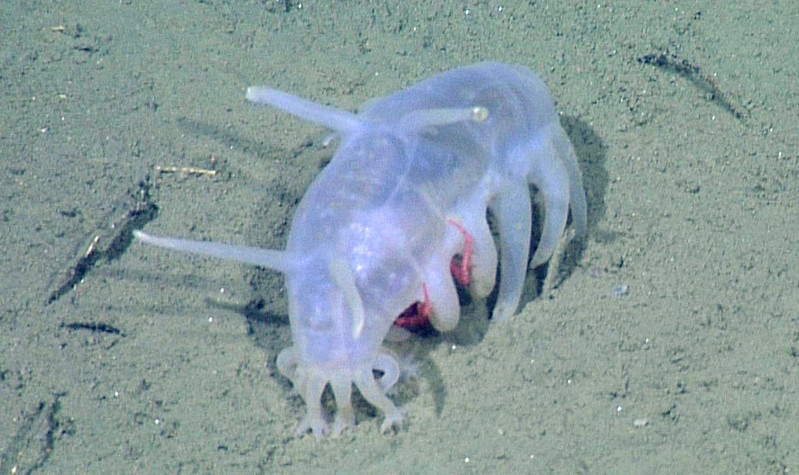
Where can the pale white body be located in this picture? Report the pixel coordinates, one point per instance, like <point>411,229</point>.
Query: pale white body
<point>376,226</point>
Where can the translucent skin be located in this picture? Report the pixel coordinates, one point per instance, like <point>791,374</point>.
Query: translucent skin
<point>376,226</point>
